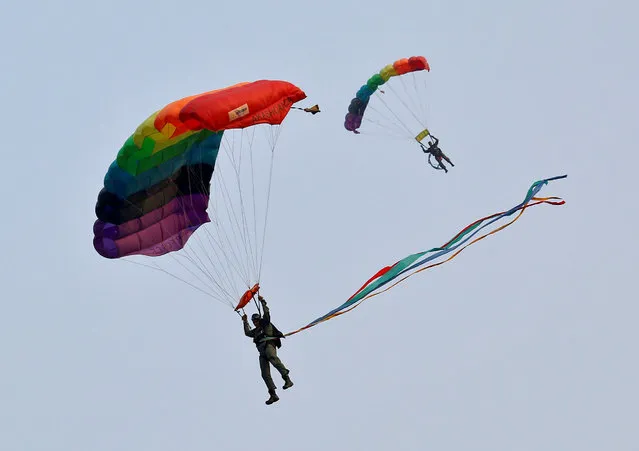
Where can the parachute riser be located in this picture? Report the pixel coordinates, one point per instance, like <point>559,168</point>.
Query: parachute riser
<point>257,304</point>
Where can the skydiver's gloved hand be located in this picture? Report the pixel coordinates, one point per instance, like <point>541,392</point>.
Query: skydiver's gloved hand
<point>244,318</point>
<point>262,300</point>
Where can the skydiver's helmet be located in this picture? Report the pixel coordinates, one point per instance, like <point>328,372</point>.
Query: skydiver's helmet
<point>255,317</point>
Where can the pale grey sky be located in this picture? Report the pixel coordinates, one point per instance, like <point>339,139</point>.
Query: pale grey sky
<point>526,341</point>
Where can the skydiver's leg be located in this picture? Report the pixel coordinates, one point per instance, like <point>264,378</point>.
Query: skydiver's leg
<point>271,352</point>
<point>441,164</point>
<point>447,159</point>
<point>271,355</point>
<point>266,373</point>
<point>430,155</point>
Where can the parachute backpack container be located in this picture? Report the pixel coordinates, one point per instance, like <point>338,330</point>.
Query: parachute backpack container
<point>188,193</point>
<point>392,102</point>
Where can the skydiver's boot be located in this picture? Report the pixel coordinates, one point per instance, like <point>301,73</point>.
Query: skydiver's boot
<point>448,159</point>
<point>288,383</point>
<point>442,166</point>
<point>273,398</point>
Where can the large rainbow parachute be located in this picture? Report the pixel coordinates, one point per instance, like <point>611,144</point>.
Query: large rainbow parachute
<point>161,188</point>
<point>156,192</point>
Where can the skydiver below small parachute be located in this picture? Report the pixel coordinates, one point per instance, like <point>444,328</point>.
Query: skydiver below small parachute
<point>433,150</point>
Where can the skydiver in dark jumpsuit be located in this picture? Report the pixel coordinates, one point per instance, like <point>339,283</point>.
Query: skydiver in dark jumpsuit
<point>434,150</point>
<point>266,337</point>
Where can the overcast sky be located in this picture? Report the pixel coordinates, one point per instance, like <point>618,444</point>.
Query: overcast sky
<point>526,341</point>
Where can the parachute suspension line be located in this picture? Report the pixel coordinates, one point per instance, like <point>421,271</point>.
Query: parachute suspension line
<point>250,244</point>
<point>397,124</point>
<point>239,263</point>
<point>421,94</point>
<point>233,216</point>
<point>211,245</point>
<point>214,245</point>
<point>196,261</point>
<point>257,305</point>
<point>225,278</point>
<point>412,96</point>
<point>399,120</point>
<point>226,208</point>
<point>217,278</point>
<point>389,134</point>
<point>425,89</point>
<point>256,243</point>
<point>248,248</point>
<point>157,268</point>
<point>254,203</point>
<point>187,249</point>
<point>202,269</point>
<point>274,139</point>
<point>206,270</point>
<point>233,243</point>
<point>417,98</point>
<point>406,106</point>
<point>234,259</point>
<point>192,259</point>
<point>240,220</point>
<point>223,282</point>
<point>253,229</point>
